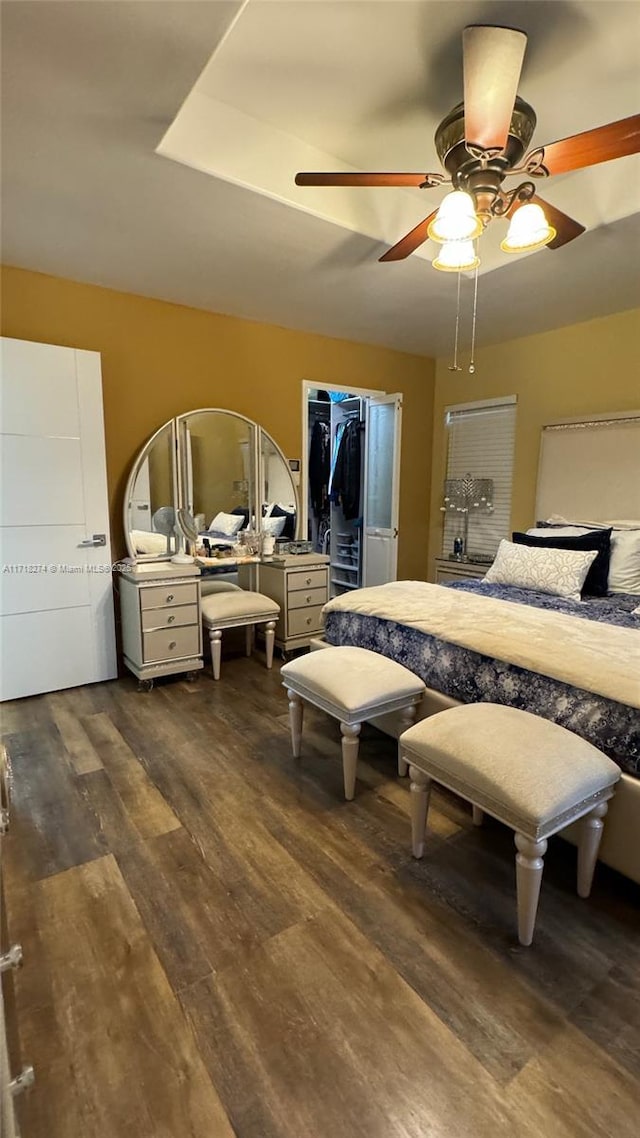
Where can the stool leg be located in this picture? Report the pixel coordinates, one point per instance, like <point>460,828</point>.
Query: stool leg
<point>407,719</point>
<point>420,793</point>
<point>248,639</point>
<point>477,814</point>
<point>215,640</point>
<point>269,638</point>
<point>350,744</point>
<point>591,827</point>
<point>529,866</point>
<point>296,710</point>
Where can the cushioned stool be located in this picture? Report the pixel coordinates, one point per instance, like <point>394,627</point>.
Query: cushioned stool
<point>234,608</point>
<point>529,773</point>
<point>352,684</point>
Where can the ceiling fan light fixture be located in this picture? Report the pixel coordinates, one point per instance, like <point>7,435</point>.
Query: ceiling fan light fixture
<point>456,219</point>
<point>529,230</point>
<point>456,257</point>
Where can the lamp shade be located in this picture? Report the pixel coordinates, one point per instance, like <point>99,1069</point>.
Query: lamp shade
<point>529,229</point>
<point>456,257</point>
<point>456,219</point>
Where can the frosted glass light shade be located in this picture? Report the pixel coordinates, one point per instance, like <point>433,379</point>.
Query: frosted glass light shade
<point>456,219</point>
<point>456,257</point>
<point>529,229</point>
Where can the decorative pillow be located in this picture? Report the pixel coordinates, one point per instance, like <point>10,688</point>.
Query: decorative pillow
<point>227,524</point>
<point>598,539</point>
<point>273,527</point>
<point>243,512</point>
<point>561,572</point>
<point>624,565</point>
<point>289,528</point>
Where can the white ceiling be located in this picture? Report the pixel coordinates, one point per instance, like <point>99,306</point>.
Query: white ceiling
<point>236,97</point>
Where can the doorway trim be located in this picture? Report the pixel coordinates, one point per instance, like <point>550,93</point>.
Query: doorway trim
<point>307,386</point>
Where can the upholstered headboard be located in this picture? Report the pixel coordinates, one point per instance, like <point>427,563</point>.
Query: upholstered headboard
<point>589,469</point>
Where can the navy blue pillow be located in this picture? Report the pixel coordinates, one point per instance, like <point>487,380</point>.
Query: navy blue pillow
<point>600,539</point>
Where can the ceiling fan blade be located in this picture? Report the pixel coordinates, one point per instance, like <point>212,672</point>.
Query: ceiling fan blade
<point>566,228</point>
<point>368,179</point>
<point>492,61</point>
<point>614,140</point>
<point>410,242</point>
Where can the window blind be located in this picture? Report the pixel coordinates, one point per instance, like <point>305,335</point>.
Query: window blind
<point>480,442</point>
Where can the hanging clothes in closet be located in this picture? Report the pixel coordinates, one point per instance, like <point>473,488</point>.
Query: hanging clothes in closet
<point>320,467</point>
<point>345,481</point>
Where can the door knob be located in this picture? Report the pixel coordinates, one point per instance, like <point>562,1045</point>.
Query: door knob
<point>97,539</point>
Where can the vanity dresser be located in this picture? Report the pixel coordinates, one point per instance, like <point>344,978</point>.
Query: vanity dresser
<point>300,585</point>
<point>161,621</point>
<point>449,570</point>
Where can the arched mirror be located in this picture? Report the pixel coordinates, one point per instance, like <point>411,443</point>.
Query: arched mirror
<point>220,466</point>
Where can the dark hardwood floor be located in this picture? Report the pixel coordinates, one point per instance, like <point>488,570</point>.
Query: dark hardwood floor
<point>216,944</point>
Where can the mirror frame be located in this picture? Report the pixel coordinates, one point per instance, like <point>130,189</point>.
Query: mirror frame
<point>177,460</point>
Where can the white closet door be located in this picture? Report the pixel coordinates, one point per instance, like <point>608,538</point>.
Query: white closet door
<point>56,596</point>
<point>382,489</point>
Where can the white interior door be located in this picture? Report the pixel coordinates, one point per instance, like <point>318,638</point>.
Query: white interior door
<point>381,489</point>
<point>56,596</point>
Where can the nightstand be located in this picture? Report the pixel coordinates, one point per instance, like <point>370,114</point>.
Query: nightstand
<point>447,570</point>
<point>161,623</point>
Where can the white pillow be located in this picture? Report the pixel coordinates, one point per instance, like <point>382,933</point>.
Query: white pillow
<point>273,527</point>
<point>624,566</point>
<point>561,572</point>
<point>227,524</point>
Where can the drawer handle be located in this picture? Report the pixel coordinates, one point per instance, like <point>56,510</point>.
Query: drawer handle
<point>172,644</point>
<point>308,600</point>
<point>169,598</point>
<point>308,580</point>
<point>308,620</point>
<point>170,619</point>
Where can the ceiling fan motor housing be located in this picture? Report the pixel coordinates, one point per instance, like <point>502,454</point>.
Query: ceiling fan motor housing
<point>483,174</point>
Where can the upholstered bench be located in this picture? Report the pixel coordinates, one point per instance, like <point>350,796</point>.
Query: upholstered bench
<point>231,607</point>
<point>353,685</point>
<point>527,772</point>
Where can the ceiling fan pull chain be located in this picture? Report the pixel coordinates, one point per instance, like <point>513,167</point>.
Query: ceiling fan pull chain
<point>472,366</point>
<point>454,366</point>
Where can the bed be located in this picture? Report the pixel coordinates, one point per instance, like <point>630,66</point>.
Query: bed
<point>574,662</point>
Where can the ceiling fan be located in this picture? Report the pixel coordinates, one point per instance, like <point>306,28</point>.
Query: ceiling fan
<point>484,140</point>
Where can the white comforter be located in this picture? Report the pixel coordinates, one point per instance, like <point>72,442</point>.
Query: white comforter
<point>600,658</point>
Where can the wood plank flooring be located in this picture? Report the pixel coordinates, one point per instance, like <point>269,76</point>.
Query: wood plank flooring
<point>217,945</point>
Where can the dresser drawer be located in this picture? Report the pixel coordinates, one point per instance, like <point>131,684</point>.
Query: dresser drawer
<point>170,643</point>
<point>311,579</point>
<point>303,621</point>
<point>169,617</point>
<point>303,598</point>
<point>161,596</point>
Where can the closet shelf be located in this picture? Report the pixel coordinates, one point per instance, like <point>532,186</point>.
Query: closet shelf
<point>343,565</point>
<point>345,584</point>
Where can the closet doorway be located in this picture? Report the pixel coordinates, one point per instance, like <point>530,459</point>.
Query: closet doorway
<point>351,482</point>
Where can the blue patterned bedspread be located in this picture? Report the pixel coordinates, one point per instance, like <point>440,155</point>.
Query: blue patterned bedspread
<point>471,677</point>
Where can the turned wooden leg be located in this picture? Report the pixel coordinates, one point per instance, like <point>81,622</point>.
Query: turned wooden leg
<point>407,719</point>
<point>215,640</point>
<point>248,634</point>
<point>420,793</point>
<point>591,827</point>
<point>269,639</point>
<point>477,814</point>
<point>296,711</point>
<point>529,866</point>
<point>350,744</point>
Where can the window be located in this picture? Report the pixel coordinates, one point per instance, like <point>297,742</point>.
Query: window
<point>481,440</point>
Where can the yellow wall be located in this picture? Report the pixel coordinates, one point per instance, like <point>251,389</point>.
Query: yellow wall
<point>583,369</point>
<point>160,359</point>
